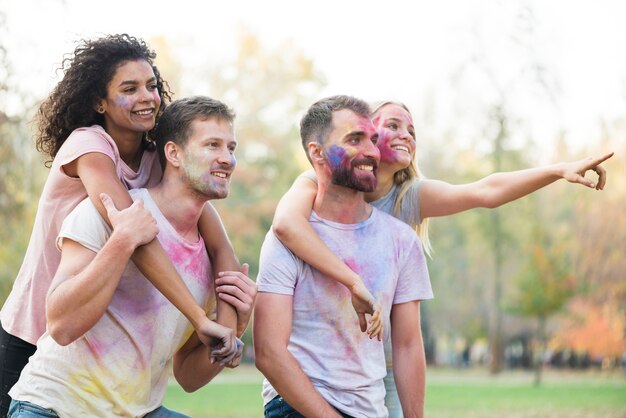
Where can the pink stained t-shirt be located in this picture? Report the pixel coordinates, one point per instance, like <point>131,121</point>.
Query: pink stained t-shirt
<point>23,314</point>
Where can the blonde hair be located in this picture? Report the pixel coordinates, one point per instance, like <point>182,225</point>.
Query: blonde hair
<point>404,179</point>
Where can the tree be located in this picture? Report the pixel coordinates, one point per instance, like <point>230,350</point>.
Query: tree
<point>595,322</point>
<point>470,252</point>
<point>268,89</point>
<point>542,289</point>
<point>21,174</point>
<point>497,87</point>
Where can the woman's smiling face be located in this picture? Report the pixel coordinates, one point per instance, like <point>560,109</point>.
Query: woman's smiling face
<point>396,135</point>
<point>132,100</point>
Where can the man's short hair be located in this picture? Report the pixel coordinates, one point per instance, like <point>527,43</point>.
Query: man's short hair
<point>175,122</point>
<point>316,124</point>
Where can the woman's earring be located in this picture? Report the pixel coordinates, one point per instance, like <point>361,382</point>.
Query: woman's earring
<point>100,110</point>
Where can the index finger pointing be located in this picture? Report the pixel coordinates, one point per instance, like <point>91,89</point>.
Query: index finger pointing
<point>600,160</point>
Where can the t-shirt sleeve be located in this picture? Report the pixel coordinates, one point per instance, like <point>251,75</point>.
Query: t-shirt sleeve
<point>85,226</point>
<point>411,205</point>
<point>413,280</point>
<point>309,174</point>
<point>83,141</point>
<point>278,267</point>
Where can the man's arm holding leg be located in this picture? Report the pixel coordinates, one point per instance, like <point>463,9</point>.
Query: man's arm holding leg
<point>193,367</point>
<point>240,291</point>
<point>409,360</point>
<point>272,329</point>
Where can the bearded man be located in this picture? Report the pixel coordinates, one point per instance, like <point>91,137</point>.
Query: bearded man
<point>316,361</point>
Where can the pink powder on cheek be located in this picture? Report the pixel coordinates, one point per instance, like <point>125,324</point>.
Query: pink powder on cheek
<point>376,122</point>
<point>156,98</point>
<point>386,153</point>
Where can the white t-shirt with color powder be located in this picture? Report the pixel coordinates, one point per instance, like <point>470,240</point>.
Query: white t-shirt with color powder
<point>120,367</point>
<point>344,365</point>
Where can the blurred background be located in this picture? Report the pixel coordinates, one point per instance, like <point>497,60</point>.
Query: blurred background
<point>493,86</point>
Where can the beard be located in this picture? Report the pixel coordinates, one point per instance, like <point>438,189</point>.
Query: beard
<point>202,183</point>
<point>347,176</point>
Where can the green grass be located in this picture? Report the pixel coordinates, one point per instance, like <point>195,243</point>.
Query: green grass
<point>232,394</point>
<point>450,393</point>
<point>474,394</point>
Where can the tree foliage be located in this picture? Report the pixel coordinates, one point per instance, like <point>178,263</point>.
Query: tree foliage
<point>268,88</point>
<point>21,173</point>
<point>544,285</point>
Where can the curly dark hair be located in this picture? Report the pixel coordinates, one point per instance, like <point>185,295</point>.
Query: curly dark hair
<point>86,75</point>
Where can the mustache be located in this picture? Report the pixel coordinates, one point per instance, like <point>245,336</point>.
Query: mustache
<point>225,167</point>
<point>365,161</point>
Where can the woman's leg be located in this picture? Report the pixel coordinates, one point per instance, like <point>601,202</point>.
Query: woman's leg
<point>14,355</point>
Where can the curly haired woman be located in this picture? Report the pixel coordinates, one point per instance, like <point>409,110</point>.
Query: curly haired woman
<point>95,126</point>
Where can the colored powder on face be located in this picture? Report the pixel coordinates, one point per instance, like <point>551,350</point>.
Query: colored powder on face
<point>195,174</point>
<point>192,171</point>
<point>386,153</point>
<point>351,152</point>
<point>210,154</point>
<point>366,126</point>
<point>200,177</point>
<point>157,100</point>
<point>124,102</point>
<point>342,165</point>
<point>335,155</point>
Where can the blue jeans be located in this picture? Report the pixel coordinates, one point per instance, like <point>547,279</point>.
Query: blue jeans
<point>163,412</point>
<point>392,401</point>
<point>19,409</point>
<point>278,408</point>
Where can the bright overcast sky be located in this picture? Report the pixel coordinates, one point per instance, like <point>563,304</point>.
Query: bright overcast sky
<point>414,51</point>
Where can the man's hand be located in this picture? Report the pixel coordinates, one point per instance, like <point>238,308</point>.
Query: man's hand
<point>364,303</point>
<point>574,172</point>
<point>135,222</point>
<point>237,289</point>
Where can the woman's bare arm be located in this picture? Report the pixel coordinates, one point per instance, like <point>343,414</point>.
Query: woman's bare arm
<point>97,172</point>
<point>438,198</point>
<point>291,226</point>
